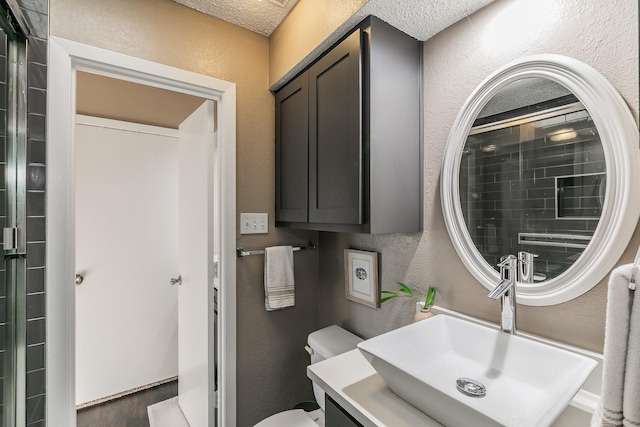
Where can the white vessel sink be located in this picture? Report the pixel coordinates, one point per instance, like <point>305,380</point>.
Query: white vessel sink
<point>527,383</point>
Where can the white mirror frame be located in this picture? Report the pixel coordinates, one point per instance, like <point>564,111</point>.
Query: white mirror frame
<point>621,209</point>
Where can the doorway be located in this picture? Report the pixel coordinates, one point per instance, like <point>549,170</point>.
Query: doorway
<point>66,58</point>
<point>126,254</point>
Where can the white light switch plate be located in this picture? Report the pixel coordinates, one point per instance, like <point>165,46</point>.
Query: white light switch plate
<point>254,223</point>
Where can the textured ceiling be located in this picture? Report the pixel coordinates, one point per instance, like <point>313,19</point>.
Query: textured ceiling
<point>260,16</point>
<point>418,18</point>
<point>421,19</point>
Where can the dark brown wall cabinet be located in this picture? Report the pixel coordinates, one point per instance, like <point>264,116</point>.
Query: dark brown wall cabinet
<point>348,154</point>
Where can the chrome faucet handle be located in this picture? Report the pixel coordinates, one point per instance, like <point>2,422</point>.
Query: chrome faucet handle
<point>508,269</point>
<point>499,291</point>
<point>524,256</point>
<point>508,263</point>
<point>506,260</point>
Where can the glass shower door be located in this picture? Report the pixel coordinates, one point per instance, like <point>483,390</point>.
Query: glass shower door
<point>12,221</point>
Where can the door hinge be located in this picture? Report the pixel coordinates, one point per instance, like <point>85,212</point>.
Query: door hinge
<point>215,269</point>
<point>10,238</point>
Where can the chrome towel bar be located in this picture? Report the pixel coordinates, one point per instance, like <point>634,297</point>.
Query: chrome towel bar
<point>242,253</point>
<point>551,239</point>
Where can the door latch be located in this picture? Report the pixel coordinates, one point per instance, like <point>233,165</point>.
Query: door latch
<point>10,238</point>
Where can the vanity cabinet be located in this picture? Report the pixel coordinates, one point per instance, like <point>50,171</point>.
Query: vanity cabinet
<point>336,416</point>
<point>348,149</point>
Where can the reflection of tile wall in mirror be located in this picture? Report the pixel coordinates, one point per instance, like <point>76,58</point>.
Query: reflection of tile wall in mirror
<point>510,178</point>
<point>580,196</point>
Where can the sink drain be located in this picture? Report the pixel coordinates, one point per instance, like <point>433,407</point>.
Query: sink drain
<point>471,387</point>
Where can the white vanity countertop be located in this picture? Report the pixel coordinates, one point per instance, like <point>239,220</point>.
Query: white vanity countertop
<point>353,383</point>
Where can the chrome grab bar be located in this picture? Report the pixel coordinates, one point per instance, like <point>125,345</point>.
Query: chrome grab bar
<point>553,239</point>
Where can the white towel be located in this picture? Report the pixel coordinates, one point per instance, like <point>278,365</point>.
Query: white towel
<point>620,402</point>
<point>279,286</point>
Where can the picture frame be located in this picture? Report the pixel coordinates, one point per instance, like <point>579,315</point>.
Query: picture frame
<point>361,277</point>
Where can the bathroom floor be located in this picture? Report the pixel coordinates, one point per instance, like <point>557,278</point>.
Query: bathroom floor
<point>127,411</point>
<point>167,414</point>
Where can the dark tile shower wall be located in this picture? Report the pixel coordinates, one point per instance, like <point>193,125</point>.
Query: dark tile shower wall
<point>36,13</point>
<point>509,181</point>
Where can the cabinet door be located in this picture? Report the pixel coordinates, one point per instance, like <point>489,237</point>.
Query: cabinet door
<point>292,151</point>
<point>336,416</point>
<point>335,135</point>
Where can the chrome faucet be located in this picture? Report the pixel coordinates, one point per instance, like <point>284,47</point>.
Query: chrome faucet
<point>525,267</point>
<point>507,290</point>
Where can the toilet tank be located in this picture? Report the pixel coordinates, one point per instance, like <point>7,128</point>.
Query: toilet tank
<point>329,342</point>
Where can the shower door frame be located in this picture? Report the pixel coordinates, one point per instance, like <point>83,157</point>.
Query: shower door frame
<point>14,253</point>
<point>65,58</point>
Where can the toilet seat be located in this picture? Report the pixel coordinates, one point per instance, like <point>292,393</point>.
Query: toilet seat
<point>292,418</point>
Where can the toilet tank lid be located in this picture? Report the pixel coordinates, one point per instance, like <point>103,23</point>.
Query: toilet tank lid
<point>332,341</point>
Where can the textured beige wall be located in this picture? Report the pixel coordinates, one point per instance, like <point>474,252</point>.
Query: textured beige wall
<point>306,27</point>
<point>271,361</point>
<point>602,34</point>
<point>271,358</point>
<point>115,99</point>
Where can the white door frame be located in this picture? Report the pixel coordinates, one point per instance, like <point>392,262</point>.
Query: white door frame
<point>65,58</point>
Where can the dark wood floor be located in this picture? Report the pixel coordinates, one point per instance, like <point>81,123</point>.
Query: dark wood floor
<point>127,411</point>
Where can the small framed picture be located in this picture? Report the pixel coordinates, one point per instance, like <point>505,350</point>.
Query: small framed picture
<point>361,277</point>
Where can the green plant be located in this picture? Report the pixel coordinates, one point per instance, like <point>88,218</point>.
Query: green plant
<point>406,291</point>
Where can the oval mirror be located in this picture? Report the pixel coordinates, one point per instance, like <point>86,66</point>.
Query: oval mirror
<point>540,164</point>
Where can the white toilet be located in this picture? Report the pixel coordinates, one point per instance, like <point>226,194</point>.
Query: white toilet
<point>323,344</point>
